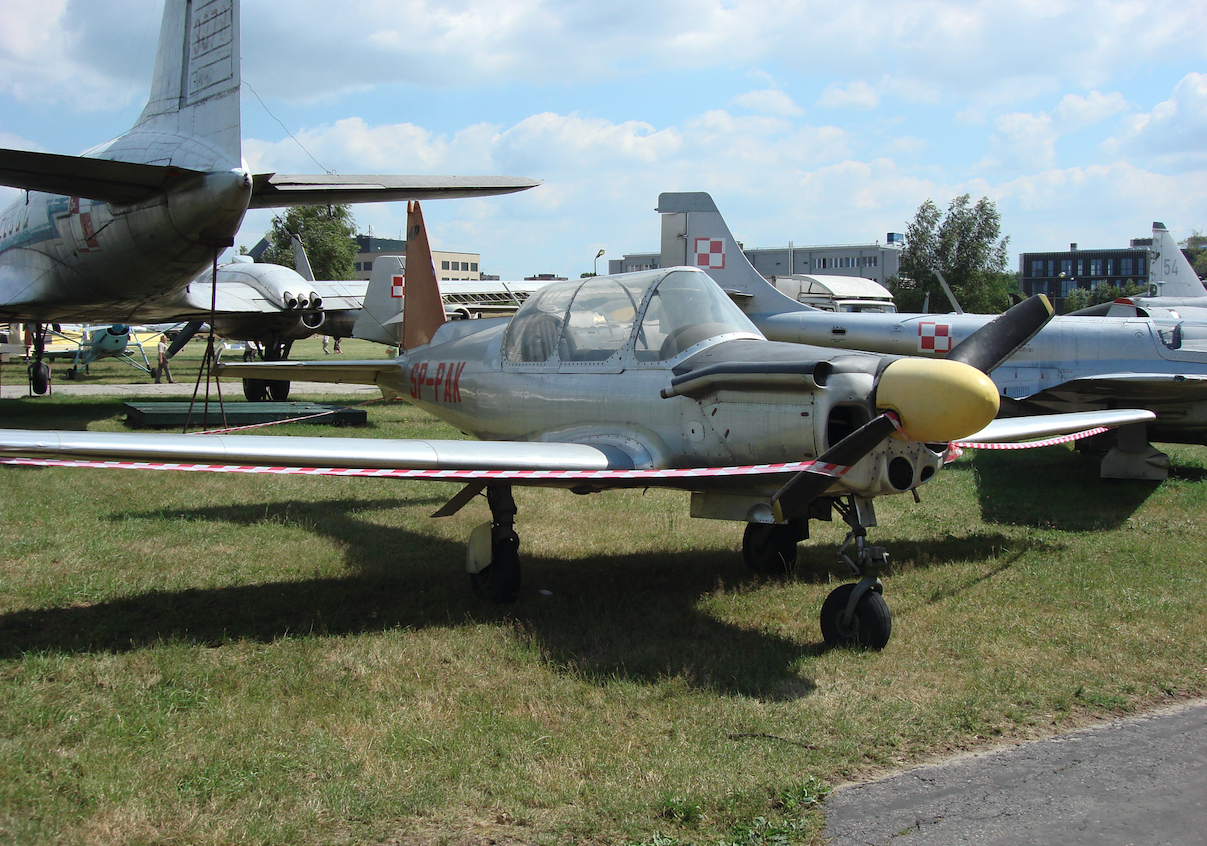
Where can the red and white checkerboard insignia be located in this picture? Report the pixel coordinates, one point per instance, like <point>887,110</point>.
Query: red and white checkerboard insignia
<point>710,253</point>
<point>398,290</point>
<point>934,337</point>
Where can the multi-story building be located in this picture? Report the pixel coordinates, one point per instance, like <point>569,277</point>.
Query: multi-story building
<point>449,265</point>
<point>874,261</point>
<point>1058,273</point>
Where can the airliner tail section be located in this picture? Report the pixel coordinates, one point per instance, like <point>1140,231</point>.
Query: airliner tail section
<point>195,90</point>
<point>695,234</point>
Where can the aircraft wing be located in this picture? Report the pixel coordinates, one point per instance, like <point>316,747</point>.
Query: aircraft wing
<point>1142,389</point>
<point>1018,429</point>
<point>94,179</point>
<point>275,190</point>
<point>311,452</point>
<point>369,372</point>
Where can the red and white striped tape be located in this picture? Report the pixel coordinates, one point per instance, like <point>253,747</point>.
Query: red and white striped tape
<point>956,448</point>
<point>834,470</point>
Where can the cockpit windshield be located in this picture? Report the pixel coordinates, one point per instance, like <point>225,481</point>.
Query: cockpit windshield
<point>593,320</point>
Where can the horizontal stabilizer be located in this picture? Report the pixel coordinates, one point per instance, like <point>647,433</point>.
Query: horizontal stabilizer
<point>108,181</point>
<point>275,190</point>
<point>339,373</point>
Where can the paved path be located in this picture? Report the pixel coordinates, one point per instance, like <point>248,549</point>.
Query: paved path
<point>1134,782</point>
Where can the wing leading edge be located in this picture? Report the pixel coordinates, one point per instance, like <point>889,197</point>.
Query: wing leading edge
<point>274,190</point>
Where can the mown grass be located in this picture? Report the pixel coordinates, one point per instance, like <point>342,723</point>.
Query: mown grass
<point>195,658</point>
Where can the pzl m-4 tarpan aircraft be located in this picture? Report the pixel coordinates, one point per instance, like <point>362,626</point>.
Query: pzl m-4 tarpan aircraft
<point>1075,363</point>
<point>116,235</point>
<point>645,379</point>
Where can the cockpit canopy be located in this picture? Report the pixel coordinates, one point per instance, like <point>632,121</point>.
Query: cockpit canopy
<point>657,313</point>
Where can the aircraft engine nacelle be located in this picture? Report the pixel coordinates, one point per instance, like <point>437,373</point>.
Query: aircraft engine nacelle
<point>111,339</point>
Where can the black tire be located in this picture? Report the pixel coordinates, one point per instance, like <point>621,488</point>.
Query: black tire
<point>871,627</point>
<point>255,390</point>
<point>278,389</point>
<point>39,377</point>
<point>499,581</point>
<point>769,550</point>
<point>71,371</point>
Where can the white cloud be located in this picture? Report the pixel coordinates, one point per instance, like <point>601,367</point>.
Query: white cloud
<point>770,101</point>
<point>1174,133</point>
<point>1027,140</point>
<point>857,94</point>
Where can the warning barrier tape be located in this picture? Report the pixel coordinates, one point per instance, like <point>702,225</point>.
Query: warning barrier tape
<point>956,448</point>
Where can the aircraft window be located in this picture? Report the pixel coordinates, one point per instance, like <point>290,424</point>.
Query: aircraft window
<point>533,333</point>
<point>601,319</point>
<point>686,308</point>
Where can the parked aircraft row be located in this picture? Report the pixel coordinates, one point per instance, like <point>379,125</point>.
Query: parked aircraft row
<point>645,379</point>
<point>119,234</point>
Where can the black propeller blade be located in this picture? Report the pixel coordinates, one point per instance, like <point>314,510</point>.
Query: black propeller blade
<point>1002,337</point>
<point>793,498</point>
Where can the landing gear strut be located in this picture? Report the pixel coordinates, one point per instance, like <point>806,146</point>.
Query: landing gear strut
<point>856,614</point>
<point>39,370</point>
<point>258,390</point>
<point>498,580</point>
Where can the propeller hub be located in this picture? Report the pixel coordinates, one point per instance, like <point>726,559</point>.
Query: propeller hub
<point>937,400</point>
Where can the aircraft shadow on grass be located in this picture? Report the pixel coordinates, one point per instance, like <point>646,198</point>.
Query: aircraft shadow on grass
<point>634,616</point>
<point>1071,496</point>
<point>629,616</point>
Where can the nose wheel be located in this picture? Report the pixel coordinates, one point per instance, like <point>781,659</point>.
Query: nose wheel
<point>855,614</point>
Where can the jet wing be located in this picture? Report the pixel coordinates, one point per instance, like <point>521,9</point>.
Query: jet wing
<point>1142,389</point>
<point>275,190</point>
<point>1018,429</point>
<point>108,181</point>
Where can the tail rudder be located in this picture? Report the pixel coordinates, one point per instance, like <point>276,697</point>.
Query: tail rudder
<point>195,89</point>
<point>695,234</point>
<point>380,319</point>
<point>423,313</point>
<point>1170,273</point>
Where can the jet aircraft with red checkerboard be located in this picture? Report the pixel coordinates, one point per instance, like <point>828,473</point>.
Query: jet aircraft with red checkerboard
<point>1076,363</point>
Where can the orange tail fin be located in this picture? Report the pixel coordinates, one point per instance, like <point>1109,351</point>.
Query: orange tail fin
<point>423,310</point>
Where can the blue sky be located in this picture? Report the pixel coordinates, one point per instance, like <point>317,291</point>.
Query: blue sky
<point>812,122</point>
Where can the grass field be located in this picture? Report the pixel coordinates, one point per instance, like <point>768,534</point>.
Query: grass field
<point>201,658</point>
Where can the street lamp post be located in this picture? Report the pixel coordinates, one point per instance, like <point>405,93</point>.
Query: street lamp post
<point>597,255</point>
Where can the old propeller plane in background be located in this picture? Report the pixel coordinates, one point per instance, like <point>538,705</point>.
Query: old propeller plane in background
<point>1074,364</point>
<point>115,235</point>
<point>644,379</point>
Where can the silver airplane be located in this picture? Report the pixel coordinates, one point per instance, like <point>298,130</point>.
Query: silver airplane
<point>1074,364</point>
<point>116,235</point>
<point>644,379</point>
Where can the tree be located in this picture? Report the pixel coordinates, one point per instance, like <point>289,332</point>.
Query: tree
<point>1195,248</point>
<point>328,233</point>
<point>966,246</point>
<point>1080,298</point>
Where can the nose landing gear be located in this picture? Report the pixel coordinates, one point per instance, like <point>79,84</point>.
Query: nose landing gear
<point>856,614</point>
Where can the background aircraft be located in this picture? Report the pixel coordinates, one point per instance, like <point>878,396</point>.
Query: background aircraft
<point>1175,290</point>
<point>645,379</point>
<point>116,234</point>
<point>1073,364</point>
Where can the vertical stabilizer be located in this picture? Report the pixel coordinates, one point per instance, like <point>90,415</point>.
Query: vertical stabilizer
<point>195,90</point>
<point>424,310</point>
<point>380,319</point>
<point>1170,274</point>
<point>695,234</point>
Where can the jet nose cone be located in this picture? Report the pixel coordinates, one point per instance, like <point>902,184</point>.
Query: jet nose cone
<point>937,400</point>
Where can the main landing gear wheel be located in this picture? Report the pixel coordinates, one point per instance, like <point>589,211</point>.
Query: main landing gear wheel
<point>278,390</point>
<point>870,626</point>
<point>499,581</point>
<point>769,550</point>
<point>255,390</point>
<point>39,377</point>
